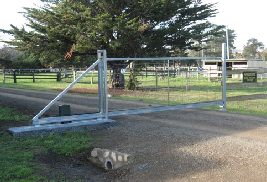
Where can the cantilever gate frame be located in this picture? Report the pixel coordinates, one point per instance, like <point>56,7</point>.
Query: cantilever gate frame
<point>104,114</point>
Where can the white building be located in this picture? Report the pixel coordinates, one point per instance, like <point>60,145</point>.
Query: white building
<point>235,67</point>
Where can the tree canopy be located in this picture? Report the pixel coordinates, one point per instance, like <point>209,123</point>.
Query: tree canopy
<point>213,47</point>
<point>8,55</point>
<point>12,58</point>
<point>75,29</point>
<point>252,49</point>
<point>264,54</point>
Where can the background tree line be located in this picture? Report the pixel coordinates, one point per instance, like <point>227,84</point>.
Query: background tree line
<point>254,49</point>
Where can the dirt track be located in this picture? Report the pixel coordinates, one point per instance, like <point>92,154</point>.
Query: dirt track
<point>190,145</point>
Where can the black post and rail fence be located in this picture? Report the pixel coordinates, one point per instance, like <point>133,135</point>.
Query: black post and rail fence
<point>34,74</point>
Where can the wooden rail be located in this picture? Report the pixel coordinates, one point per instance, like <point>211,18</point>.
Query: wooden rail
<point>34,74</point>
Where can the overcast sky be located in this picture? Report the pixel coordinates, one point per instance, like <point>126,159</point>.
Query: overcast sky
<point>246,17</point>
<point>9,14</point>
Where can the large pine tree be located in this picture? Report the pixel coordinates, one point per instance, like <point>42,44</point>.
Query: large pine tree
<point>74,29</point>
<point>123,27</point>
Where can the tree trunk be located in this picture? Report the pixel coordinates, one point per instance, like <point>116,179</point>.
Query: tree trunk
<point>117,78</point>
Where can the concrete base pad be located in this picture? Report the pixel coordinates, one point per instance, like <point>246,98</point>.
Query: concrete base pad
<point>73,126</point>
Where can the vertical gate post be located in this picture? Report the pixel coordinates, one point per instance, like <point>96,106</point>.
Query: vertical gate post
<point>99,82</point>
<point>168,82</point>
<point>102,83</point>
<point>224,76</point>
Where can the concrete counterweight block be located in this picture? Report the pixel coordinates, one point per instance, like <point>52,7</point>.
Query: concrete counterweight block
<point>108,159</point>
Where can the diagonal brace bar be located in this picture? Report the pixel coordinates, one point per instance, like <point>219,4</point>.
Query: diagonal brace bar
<point>59,96</point>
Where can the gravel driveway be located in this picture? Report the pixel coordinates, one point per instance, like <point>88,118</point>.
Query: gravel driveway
<point>188,145</point>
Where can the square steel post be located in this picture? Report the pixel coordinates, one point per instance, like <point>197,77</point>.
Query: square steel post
<point>102,83</point>
<point>168,82</point>
<point>224,76</point>
<point>105,85</point>
<point>100,80</point>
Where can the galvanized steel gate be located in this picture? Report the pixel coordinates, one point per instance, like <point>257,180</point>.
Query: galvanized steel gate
<point>103,115</point>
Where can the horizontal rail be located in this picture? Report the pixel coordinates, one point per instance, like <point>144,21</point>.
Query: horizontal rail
<point>166,108</point>
<point>27,78</point>
<point>60,119</point>
<point>30,77</point>
<point>163,58</point>
<point>49,69</point>
<point>20,75</point>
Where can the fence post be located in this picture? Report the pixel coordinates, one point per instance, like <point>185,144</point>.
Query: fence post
<point>58,76</point>
<point>65,73</point>
<point>146,70</point>
<point>14,76</point>
<point>262,71</point>
<point>186,78</point>
<point>188,68</point>
<point>209,74</point>
<point>174,69</point>
<point>224,76</point>
<point>4,76</point>
<point>92,77</point>
<point>156,79</point>
<point>164,69</point>
<point>33,78</point>
<point>74,74</point>
<point>197,72</point>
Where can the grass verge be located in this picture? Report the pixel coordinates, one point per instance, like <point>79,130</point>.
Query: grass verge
<point>8,114</point>
<point>17,154</point>
<point>257,107</point>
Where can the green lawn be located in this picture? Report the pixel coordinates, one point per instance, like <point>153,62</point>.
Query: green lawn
<point>257,107</point>
<point>90,81</point>
<point>5,115</point>
<point>170,90</point>
<point>17,154</point>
